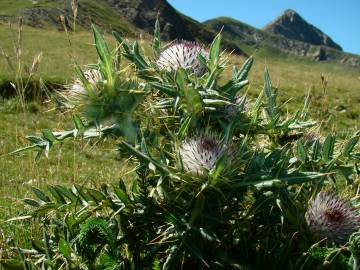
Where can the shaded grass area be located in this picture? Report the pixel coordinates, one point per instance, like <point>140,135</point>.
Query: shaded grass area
<point>83,164</point>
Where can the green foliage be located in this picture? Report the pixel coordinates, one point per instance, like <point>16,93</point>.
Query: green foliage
<point>243,210</point>
<point>326,258</point>
<point>354,247</point>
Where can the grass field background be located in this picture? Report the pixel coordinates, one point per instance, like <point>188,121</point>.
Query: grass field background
<point>337,104</point>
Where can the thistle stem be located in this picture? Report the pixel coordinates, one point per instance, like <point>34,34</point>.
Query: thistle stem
<point>355,264</point>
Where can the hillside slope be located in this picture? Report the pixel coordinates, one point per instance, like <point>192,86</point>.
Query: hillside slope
<point>289,34</point>
<point>131,17</point>
<point>243,34</point>
<point>45,14</point>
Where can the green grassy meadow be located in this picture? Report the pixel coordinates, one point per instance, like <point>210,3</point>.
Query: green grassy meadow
<point>292,76</point>
<point>335,102</point>
<point>58,55</point>
<point>85,165</point>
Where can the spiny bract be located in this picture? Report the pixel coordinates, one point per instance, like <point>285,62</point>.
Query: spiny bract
<point>332,218</point>
<point>232,110</point>
<point>183,54</point>
<point>77,91</point>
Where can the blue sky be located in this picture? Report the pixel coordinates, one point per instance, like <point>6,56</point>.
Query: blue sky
<point>340,19</point>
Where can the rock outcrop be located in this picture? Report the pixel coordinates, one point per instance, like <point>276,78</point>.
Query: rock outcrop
<point>143,13</point>
<point>174,25</point>
<point>292,26</point>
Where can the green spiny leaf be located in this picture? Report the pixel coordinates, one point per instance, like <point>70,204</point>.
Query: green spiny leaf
<point>58,197</point>
<point>301,151</point>
<point>104,54</point>
<point>31,202</point>
<point>141,63</point>
<point>48,135</point>
<point>97,195</point>
<point>328,147</point>
<point>270,96</point>
<point>64,248</point>
<point>315,149</point>
<point>245,69</point>
<point>80,191</point>
<point>166,89</point>
<point>156,45</point>
<point>66,193</point>
<point>41,195</point>
<point>78,123</point>
<point>122,41</point>
<point>349,146</point>
<point>184,127</point>
<point>87,85</point>
<point>214,54</point>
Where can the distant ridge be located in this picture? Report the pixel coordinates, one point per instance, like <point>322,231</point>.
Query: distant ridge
<point>130,17</point>
<point>288,34</point>
<point>174,25</point>
<point>292,26</point>
<point>306,41</point>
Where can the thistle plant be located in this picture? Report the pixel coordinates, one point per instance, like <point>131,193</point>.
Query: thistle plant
<point>217,181</point>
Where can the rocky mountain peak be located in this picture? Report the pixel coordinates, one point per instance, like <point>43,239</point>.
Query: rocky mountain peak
<point>292,26</point>
<point>291,13</point>
<point>174,25</point>
<point>143,13</point>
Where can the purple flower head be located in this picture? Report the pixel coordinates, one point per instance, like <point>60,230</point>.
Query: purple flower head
<point>332,218</point>
<point>201,153</point>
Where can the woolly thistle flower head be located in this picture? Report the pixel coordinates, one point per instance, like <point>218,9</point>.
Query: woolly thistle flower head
<point>183,54</point>
<point>332,218</point>
<point>201,153</point>
<point>77,91</point>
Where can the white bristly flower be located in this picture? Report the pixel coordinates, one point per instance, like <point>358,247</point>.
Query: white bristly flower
<point>76,91</point>
<point>332,218</point>
<point>183,54</point>
<point>201,153</point>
